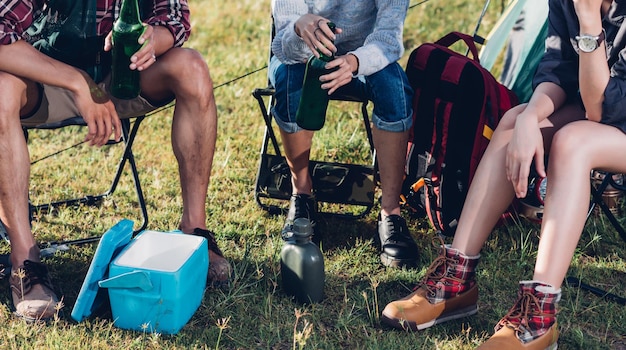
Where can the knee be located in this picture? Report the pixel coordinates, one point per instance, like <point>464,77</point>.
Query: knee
<point>190,71</point>
<point>12,95</point>
<point>567,141</point>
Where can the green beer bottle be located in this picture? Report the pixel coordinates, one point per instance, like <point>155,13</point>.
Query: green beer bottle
<point>311,113</point>
<point>126,32</point>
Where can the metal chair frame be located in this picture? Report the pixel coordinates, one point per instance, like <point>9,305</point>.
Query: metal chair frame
<point>129,132</point>
<point>261,195</point>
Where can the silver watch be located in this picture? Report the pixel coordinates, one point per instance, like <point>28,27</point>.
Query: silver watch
<point>588,43</point>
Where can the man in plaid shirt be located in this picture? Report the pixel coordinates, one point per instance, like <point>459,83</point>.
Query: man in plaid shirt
<point>36,88</point>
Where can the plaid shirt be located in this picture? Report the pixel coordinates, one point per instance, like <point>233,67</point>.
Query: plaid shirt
<point>17,15</point>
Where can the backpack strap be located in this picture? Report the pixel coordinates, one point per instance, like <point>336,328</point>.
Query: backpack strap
<point>452,74</point>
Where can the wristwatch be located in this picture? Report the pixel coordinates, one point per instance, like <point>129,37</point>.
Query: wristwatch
<point>588,43</point>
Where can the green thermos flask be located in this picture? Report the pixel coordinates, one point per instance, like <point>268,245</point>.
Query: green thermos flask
<point>311,113</point>
<point>302,264</point>
<point>126,32</point>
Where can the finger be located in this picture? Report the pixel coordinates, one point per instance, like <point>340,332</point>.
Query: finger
<point>117,125</point>
<point>101,133</point>
<point>145,36</point>
<point>147,62</point>
<point>540,165</point>
<point>315,35</point>
<point>321,39</point>
<point>91,131</point>
<point>337,86</point>
<point>323,44</point>
<point>508,166</point>
<point>522,181</point>
<point>108,129</point>
<point>323,26</point>
<point>107,42</point>
<point>144,60</point>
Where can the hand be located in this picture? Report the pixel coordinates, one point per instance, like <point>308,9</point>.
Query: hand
<point>314,30</point>
<point>146,55</point>
<point>343,68</point>
<point>99,113</point>
<point>526,144</point>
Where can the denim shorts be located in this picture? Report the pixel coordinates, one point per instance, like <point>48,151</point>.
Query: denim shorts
<point>388,89</point>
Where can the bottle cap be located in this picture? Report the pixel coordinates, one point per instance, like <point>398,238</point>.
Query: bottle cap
<point>302,228</point>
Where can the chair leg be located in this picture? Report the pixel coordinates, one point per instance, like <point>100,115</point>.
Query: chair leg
<point>596,194</point>
<point>575,282</point>
<point>129,138</point>
<point>128,134</point>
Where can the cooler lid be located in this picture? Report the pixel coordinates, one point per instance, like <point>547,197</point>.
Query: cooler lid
<point>111,243</point>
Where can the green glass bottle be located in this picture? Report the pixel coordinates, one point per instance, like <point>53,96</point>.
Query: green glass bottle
<point>302,264</point>
<point>126,32</point>
<point>311,113</point>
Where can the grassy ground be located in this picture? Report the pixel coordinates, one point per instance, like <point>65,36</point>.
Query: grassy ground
<point>254,313</point>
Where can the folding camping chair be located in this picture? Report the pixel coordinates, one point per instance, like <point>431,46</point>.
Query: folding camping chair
<point>129,131</point>
<point>349,185</point>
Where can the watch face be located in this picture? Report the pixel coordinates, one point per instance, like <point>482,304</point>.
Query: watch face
<point>587,43</point>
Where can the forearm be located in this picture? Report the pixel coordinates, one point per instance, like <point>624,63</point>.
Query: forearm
<point>23,60</point>
<point>546,98</point>
<point>593,71</point>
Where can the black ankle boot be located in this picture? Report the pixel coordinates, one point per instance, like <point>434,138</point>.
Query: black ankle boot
<point>397,247</point>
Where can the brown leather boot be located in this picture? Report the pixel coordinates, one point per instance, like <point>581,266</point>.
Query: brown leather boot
<point>219,268</point>
<point>32,292</point>
<point>447,292</point>
<point>531,323</point>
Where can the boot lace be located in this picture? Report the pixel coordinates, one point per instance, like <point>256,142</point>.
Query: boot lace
<point>31,274</point>
<point>518,316</point>
<point>438,273</point>
<point>527,318</point>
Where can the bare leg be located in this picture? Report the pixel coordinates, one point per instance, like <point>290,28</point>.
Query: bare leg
<point>194,125</point>
<point>297,148</point>
<point>391,155</point>
<point>31,289</point>
<point>194,132</point>
<point>577,149</point>
<point>491,193</point>
<point>15,172</point>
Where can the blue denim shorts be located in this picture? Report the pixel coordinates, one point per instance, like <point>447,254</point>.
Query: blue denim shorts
<point>388,89</point>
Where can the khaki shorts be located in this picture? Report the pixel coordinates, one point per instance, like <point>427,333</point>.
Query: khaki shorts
<point>57,104</point>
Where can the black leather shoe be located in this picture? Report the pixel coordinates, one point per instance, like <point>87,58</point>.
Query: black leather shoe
<point>302,206</point>
<point>397,247</point>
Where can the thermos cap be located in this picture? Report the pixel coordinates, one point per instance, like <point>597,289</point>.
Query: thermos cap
<point>301,229</point>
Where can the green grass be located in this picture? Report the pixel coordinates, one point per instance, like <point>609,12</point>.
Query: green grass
<point>254,313</point>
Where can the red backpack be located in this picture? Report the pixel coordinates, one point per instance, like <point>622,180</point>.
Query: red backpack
<point>457,104</point>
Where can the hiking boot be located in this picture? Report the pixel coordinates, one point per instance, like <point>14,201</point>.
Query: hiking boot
<point>302,206</point>
<point>447,292</point>
<point>32,292</point>
<point>397,247</point>
<point>531,322</point>
<point>219,268</point>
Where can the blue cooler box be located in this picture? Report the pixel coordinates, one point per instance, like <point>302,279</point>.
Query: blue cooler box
<point>155,281</point>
